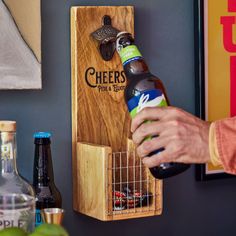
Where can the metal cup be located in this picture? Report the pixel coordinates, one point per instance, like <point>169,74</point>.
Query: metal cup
<point>52,215</point>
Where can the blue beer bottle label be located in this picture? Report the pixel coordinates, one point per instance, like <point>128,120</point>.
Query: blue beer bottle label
<point>148,98</point>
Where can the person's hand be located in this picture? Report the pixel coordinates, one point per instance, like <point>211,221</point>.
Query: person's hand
<point>183,136</point>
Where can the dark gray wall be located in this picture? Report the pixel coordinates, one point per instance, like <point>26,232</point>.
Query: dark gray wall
<point>164,33</point>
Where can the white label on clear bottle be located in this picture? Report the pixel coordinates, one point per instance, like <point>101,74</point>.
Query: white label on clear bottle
<point>22,218</point>
<point>6,151</point>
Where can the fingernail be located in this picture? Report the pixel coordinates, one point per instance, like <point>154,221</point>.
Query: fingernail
<point>144,160</point>
<point>132,129</point>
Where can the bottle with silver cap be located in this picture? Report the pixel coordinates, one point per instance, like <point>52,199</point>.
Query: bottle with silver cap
<point>17,199</point>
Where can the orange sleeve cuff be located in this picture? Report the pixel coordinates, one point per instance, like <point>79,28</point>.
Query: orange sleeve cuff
<point>225,131</point>
<point>214,153</point>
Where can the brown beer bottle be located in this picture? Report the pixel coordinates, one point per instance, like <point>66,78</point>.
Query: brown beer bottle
<point>143,90</point>
<point>47,194</point>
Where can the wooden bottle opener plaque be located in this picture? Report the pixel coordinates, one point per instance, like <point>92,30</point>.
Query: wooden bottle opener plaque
<point>100,120</point>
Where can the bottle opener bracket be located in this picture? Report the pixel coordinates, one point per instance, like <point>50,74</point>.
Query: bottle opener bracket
<point>109,180</point>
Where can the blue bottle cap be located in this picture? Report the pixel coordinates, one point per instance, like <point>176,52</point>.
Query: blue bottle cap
<point>42,135</point>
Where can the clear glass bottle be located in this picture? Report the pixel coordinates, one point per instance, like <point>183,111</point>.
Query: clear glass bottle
<point>17,199</point>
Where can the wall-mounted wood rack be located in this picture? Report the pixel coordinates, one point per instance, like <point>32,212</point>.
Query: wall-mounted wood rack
<point>109,180</point>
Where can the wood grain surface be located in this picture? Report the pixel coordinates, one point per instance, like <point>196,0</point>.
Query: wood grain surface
<point>103,153</point>
<point>101,116</point>
<point>92,186</point>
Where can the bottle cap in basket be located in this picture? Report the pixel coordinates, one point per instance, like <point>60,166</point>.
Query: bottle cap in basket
<point>7,126</point>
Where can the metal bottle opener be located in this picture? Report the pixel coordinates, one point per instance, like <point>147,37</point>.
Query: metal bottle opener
<point>106,37</point>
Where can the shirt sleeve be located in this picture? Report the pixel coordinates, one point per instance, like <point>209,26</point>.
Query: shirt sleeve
<point>214,153</point>
<point>225,133</point>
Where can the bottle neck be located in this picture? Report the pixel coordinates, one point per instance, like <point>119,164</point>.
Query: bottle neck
<point>135,67</point>
<point>8,153</point>
<point>43,169</point>
<point>132,60</point>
